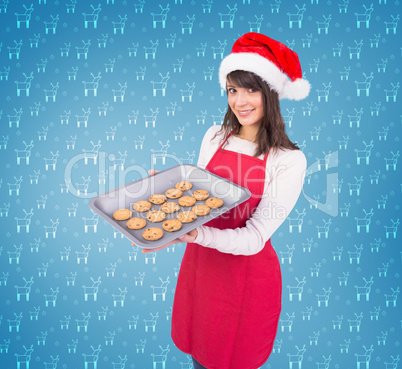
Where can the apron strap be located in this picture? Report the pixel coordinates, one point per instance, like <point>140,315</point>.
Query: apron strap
<point>220,147</point>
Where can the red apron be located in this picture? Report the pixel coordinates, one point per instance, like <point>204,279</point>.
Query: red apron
<point>226,307</point>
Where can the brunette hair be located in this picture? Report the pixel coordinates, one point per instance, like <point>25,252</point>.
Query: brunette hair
<point>272,132</point>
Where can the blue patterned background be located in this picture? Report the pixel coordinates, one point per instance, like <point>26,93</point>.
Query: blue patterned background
<point>346,261</point>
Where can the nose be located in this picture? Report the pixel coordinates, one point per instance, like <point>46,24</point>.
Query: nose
<point>241,98</point>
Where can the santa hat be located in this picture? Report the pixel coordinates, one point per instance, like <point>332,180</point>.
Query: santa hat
<point>271,60</point>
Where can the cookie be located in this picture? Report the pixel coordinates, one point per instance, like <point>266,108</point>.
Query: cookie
<point>152,234</point>
<point>171,225</point>
<point>142,206</point>
<point>200,194</point>
<point>157,198</point>
<point>201,209</point>
<point>187,201</point>
<point>214,202</point>
<point>122,214</point>
<point>186,216</point>
<point>156,216</point>
<point>173,193</point>
<point>184,185</point>
<point>136,223</point>
<point>170,207</point>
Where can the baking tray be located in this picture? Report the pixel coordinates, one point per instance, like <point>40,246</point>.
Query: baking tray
<point>125,196</point>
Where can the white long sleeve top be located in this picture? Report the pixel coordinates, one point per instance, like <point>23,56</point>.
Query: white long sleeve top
<point>284,177</point>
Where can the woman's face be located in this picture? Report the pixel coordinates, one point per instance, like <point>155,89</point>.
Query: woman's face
<point>247,104</point>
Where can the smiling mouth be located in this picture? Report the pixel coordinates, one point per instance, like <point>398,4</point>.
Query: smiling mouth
<point>245,112</point>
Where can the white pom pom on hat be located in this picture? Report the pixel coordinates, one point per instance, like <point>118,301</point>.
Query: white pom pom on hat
<point>271,60</point>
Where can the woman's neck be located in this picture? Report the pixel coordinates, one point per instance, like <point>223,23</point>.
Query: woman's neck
<point>247,133</point>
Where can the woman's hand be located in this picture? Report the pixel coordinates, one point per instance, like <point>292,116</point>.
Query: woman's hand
<point>188,237</point>
<point>151,172</point>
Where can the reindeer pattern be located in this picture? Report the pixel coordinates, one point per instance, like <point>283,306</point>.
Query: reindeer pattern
<point>96,93</point>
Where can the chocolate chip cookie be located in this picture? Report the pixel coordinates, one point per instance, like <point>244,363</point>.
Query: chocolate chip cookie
<point>187,201</point>
<point>201,194</point>
<point>136,223</point>
<point>157,198</point>
<point>186,216</point>
<point>122,214</point>
<point>184,185</point>
<point>156,216</point>
<point>171,225</point>
<point>173,193</point>
<point>170,207</point>
<point>201,209</point>
<point>142,206</point>
<point>214,202</point>
<point>152,234</point>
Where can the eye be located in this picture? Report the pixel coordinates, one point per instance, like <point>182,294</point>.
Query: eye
<point>252,90</point>
<point>231,90</point>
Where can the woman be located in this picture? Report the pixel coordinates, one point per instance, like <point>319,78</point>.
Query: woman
<point>228,297</point>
